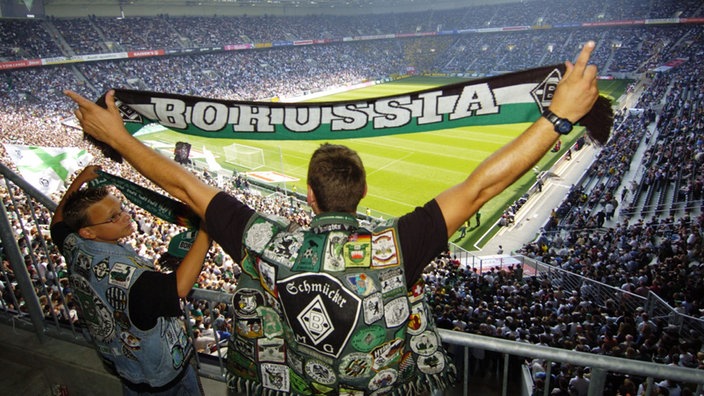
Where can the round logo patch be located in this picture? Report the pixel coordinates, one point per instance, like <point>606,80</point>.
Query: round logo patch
<point>320,372</point>
<point>368,338</point>
<point>117,297</point>
<point>355,365</point>
<point>425,344</point>
<point>383,379</point>
<point>432,364</point>
<point>246,301</point>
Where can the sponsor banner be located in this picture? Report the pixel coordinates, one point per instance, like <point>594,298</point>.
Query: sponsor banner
<point>515,28</point>
<point>615,23</point>
<point>142,54</point>
<point>96,57</point>
<point>303,42</point>
<point>281,43</point>
<point>659,21</point>
<point>20,64</point>
<point>235,47</point>
<point>263,45</point>
<point>417,34</point>
<point>566,25</point>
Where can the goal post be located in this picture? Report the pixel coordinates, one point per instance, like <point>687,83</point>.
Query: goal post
<point>248,157</point>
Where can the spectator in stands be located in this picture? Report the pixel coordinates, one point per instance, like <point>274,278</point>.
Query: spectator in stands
<point>336,184</point>
<point>130,310</point>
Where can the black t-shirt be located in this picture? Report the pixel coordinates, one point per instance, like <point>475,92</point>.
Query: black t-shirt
<point>153,294</point>
<point>422,232</point>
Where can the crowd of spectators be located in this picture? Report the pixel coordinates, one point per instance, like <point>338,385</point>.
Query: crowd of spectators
<point>659,254</point>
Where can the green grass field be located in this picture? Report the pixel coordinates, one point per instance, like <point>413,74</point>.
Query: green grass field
<point>403,171</point>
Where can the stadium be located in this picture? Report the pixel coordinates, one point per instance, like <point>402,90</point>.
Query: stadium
<point>591,261</point>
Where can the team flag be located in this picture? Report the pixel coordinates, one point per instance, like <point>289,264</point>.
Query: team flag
<point>47,168</point>
<point>505,99</point>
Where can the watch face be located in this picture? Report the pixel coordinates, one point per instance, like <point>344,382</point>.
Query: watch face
<point>563,126</point>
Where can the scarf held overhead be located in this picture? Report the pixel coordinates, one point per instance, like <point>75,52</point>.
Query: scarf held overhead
<point>505,99</point>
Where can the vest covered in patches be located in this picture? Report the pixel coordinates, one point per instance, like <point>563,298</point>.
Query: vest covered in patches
<point>101,275</point>
<point>327,311</point>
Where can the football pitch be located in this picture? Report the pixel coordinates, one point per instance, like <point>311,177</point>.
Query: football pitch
<point>405,170</point>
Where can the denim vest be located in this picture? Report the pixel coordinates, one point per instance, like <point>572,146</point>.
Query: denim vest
<point>101,275</point>
<point>327,311</point>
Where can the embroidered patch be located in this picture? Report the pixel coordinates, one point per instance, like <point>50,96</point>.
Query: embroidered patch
<point>249,266</point>
<point>258,235</point>
<point>117,297</point>
<point>358,250</point>
<point>82,264</point>
<point>267,277</point>
<point>366,339</point>
<point>425,344</point>
<point>432,364</point>
<point>320,372</point>
<point>275,376</point>
<point>373,308</point>
<point>383,379</point>
<point>407,367</point>
<point>355,366</point>
<point>121,275</point>
<point>246,302</point>
<point>284,248</point>
<point>361,283</point>
<point>121,319</point>
<point>130,340</point>
<point>418,321</point>
<point>270,322</point>
<point>322,312</point>
<point>334,261</point>
<point>101,269</point>
<point>178,356</point>
<point>244,347</point>
<point>96,314</point>
<point>272,302</point>
<point>250,328</point>
<point>396,312</point>
<point>387,353</point>
<point>271,350</point>
<point>311,253</point>
<point>294,361</point>
<point>384,249</point>
<point>128,353</point>
<point>392,282</point>
<point>416,293</point>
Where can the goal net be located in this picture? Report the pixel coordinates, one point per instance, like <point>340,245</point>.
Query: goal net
<point>245,156</point>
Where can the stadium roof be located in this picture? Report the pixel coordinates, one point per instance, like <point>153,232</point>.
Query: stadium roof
<point>412,4</point>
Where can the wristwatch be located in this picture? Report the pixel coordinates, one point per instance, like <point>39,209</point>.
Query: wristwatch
<point>563,126</point>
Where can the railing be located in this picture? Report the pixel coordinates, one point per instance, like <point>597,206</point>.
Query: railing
<point>22,294</point>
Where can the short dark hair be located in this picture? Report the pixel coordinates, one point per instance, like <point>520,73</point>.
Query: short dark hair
<point>77,204</point>
<point>337,177</point>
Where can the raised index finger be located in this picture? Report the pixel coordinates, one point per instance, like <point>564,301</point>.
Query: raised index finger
<point>80,100</point>
<point>583,58</point>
